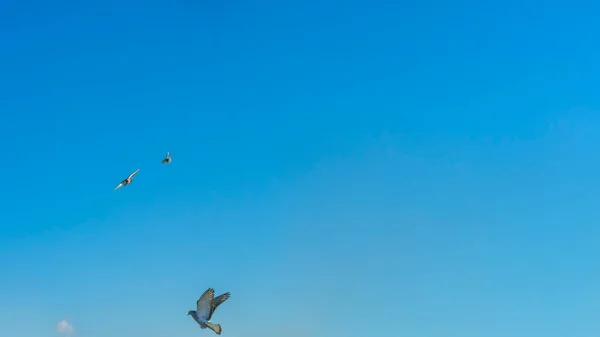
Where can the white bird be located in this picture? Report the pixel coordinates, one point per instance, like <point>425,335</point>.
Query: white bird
<point>205,308</point>
<point>167,159</point>
<point>127,181</point>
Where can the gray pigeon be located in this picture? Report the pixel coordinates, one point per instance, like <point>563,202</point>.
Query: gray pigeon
<point>127,181</point>
<point>205,308</point>
<point>167,159</point>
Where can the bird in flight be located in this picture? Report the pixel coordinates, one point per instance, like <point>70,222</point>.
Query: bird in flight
<point>205,308</point>
<point>127,181</point>
<point>167,159</point>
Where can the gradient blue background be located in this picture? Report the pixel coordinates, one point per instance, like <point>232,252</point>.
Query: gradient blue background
<point>344,168</point>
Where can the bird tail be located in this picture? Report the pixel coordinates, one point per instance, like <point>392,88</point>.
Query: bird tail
<point>214,327</point>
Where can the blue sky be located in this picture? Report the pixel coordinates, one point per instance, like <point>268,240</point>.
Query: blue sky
<point>343,168</point>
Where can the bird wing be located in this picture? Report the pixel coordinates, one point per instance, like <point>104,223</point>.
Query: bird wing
<point>134,173</point>
<point>218,300</point>
<point>168,155</point>
<point>118,186</point>
<point>204,303</point>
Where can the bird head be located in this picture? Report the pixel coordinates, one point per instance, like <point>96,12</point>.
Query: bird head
<point>190,312</point>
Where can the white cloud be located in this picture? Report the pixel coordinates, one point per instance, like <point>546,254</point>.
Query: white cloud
<point>64,327</point>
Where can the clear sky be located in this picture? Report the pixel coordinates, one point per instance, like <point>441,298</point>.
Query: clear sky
<point>343,168</point>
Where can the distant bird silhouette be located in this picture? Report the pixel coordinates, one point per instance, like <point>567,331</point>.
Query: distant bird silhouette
<point>127,181</point>
<point>167,159</point>
<point>205,308</point>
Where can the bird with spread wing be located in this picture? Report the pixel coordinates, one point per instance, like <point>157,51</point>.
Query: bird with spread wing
<point>205,308</point>
<point>127,181</point>
<point>167,159</point>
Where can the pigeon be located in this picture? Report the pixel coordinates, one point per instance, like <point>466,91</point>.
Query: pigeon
<point>127,181</point>
<point>167,159</point>
<point>205,308</point>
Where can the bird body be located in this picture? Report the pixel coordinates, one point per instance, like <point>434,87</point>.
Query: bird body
<point>205,308</point>
<point>127,180</point>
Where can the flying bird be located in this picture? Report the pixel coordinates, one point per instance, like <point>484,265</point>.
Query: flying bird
<point>167,159</point>
<point>127,181</point>
<point>205,308</point>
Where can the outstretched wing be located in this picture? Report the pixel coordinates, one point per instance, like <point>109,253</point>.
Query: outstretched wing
<point>218,300</point>
<point>204,303</point>
<point>118,186</point>
<point>168,155</point>
<point>134,173</point>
